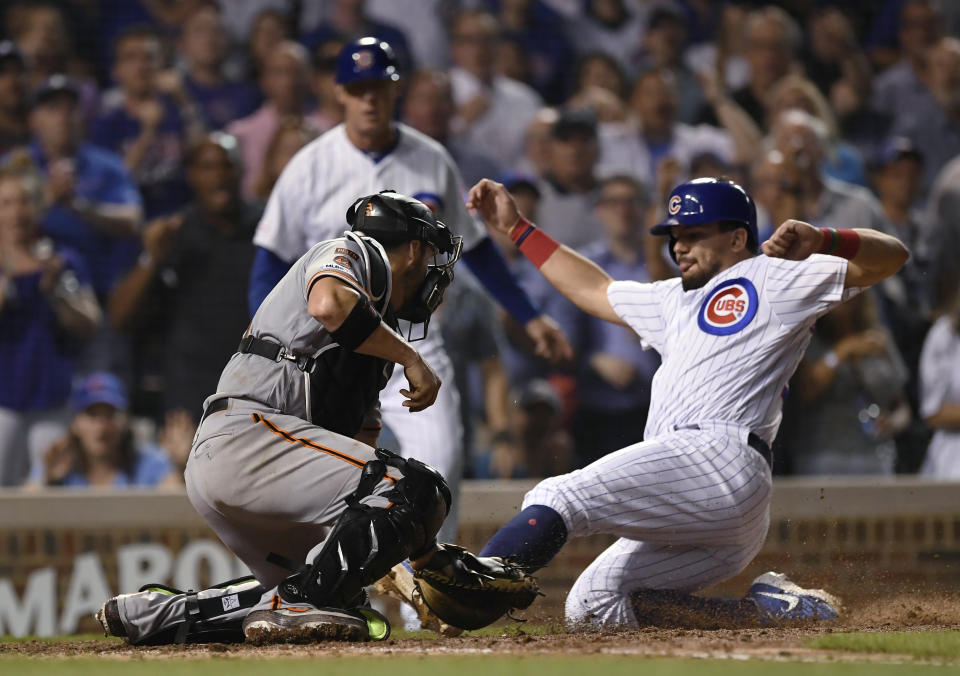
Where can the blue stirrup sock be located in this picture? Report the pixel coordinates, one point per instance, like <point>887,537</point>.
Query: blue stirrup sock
<point>531,538</point>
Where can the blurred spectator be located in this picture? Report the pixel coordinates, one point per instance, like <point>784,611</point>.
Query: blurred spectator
<point>772,45</point>
<point>348,19</point>
<point>100,449</point>
<point>538,444</point>
<point>40,31</point>
<point>850,385</point>
<point>834,60</point>
<point>14,130</point>
<point>148,128</point>
<point>46,306</point>
<point>94,206</point>
<point>637,146</point>
<point>841,160</point>
<point>615,27</point>
<point>428,108</point>
<point>426,20</point>
<point>614,371</point>
<point>541,36</point>
<point>471,333</point>
<point>203,49</point>
<point>801,140</point>
<point>328,111</point>
<point>493,112</point>
<point>932,120</point>
<point>510,59</point>
<point>722,59</point>
<point>201,259</point>
<point>900,84</point>
<point>284,82</point>
<point>907,297</point>
<point>943,205</point>
<point>569,188</point>
<point>269,28</point>
<point>940,395</point>
<point>536,144</point>
<point>241,18</point>
<point>663,48</point>
<point>287,140</point>
<point>601,87</point>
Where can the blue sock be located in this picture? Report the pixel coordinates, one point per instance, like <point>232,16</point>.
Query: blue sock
<point>531,538</point>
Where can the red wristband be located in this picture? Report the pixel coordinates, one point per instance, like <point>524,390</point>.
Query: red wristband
<point>533,242</point>
<point>843,243</point>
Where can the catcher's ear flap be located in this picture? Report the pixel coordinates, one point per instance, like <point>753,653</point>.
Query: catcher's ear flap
<point>352,211</point>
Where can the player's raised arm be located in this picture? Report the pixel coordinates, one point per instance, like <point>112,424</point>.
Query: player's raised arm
<point>579,279</point>
<point>873,255</point>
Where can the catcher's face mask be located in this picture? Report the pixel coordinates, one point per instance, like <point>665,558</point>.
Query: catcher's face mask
<point>430,293</point>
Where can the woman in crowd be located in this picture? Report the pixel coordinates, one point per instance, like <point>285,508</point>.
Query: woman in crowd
<point>46,307</point>
<point>290,137</point>
<point>100,449</point>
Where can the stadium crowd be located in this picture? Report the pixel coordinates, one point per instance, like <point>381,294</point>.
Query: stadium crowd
<point>139,140</point>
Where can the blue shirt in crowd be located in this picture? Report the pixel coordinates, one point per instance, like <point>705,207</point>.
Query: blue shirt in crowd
<point>36,356</point>
<point>160,176</point>
<point>101,177</point>
<point>590,336</point>
<point>223,103</point>
<point>151,465</point>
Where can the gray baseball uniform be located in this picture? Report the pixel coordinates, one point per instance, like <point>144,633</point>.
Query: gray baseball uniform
<point>264,477</point>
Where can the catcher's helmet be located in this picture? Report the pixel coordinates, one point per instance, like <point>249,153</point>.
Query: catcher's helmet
<point>392,218</point>
<point>710,200</point>
<point>366,59</point>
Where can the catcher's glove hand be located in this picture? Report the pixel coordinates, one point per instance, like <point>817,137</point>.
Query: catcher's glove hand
<point>470,592</point>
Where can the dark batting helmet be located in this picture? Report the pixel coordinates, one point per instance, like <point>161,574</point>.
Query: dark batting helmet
<point>710,200</point>
<point>366,59</point>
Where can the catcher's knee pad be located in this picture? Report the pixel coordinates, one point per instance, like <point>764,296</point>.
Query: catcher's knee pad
<point>366,542</point>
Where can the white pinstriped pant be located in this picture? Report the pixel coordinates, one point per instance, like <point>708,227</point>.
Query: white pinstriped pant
<point>433,435</point>
<point>690,508</point>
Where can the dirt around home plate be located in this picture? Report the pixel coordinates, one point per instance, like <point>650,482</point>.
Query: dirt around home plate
<point>904,612</point>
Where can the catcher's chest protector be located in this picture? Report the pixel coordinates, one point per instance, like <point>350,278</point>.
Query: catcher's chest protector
<point>344,385</point>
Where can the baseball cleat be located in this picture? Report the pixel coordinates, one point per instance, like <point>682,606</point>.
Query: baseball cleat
<point>780,600</point>
<point>109,618</point>
<point>399,584</point>
<point>303,623</point>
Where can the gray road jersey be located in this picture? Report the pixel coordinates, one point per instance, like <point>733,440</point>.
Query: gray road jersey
<point>283,318</point>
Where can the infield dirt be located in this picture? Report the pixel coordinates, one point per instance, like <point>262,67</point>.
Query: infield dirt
<point>904,612</point>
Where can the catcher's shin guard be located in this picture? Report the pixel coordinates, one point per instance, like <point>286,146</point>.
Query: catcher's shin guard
<point>161,615</point>
<point>366,542</point>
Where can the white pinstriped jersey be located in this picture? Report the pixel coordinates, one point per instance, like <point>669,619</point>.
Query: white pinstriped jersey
<point>729,348</point>
<point>310,200</point>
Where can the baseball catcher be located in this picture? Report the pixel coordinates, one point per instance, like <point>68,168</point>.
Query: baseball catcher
<point>284,466</point>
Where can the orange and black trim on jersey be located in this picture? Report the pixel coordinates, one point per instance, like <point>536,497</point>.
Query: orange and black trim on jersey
<point>283,434</point>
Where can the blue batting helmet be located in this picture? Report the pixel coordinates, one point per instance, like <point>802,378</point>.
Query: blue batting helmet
<point>366,59</point>
<point>710,200</point>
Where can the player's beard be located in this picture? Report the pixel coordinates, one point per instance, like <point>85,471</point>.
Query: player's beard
<point>697,280</point>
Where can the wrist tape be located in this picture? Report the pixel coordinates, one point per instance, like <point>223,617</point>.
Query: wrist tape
<point>533,242</point>
<point>362,321</point>
<point>842,243</point>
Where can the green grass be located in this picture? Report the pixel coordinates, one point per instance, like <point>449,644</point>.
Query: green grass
<point>918,644</point>
<point>481,665</point>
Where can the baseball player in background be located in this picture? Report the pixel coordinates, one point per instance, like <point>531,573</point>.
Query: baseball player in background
<point>278,468</point>
<point>371,152</point>
<point>690,502</point>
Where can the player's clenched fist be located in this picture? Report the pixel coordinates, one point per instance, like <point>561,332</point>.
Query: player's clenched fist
<point>424,385</point>
<point>494,204</point>
<point>793,240</point>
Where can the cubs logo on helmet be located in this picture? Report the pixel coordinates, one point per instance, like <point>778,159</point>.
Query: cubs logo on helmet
<point>728,308</point>
<point>363,59</point>
<point>674,205</point>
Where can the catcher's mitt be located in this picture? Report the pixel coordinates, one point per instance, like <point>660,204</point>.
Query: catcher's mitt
<point>470,592</point>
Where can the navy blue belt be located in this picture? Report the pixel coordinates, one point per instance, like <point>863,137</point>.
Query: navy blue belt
<point>754,441</point>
